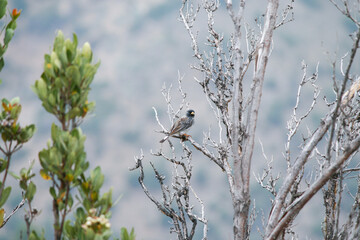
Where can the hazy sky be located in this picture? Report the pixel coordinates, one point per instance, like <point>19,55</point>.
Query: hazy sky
<point>141,46</point>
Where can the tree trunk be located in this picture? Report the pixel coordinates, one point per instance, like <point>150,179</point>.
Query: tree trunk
<point>244,147</point>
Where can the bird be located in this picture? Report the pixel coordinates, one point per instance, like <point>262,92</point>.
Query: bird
<point>181,125</point>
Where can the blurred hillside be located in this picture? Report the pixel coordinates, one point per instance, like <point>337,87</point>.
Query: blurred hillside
<point>141,46</point>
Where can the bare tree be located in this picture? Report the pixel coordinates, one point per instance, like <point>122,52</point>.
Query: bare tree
<point>227,71</point>
<point>176,201</point>
<point>234,94</point>
<point>341,127</point>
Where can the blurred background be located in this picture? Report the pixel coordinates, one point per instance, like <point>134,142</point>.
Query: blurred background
<point>142,46</point>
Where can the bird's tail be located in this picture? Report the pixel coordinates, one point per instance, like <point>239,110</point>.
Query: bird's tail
<point>164,139</point>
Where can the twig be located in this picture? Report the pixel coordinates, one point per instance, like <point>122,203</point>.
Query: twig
<point>298,204</point>
<point>13,212</point>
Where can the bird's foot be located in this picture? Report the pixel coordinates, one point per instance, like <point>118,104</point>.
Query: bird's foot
<point>184,137</point>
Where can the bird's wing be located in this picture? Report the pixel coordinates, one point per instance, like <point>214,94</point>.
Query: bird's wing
<point>177,127</point>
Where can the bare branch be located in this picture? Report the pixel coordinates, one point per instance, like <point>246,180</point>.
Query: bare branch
<point>7,218</point>
<point>285,18</point>
<point>267,173</point>
<point>346,11</point>
<point>294,208</point>
<point>294,123</point>
<point>207,153</point>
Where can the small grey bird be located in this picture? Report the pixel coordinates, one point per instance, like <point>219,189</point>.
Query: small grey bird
<point>181,125</point>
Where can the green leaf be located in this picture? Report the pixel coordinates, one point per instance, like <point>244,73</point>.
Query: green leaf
<point>54,132</point>
<point>97,178</point>
<point>82,168</point>
<point>48,107</point>
<point>15,100</point>
<point>132,234</point>
<point>62,56</point>
<point>86,203</point>
<point>55,60</point>
<point>6,136</point>
<point>59,82</point>
<point>40,89</point>
<point>2,49</point>
<point>52,100</point>
<point>29,195</point>
<point>89,234</point>
<point>80,214</point>
<point>70,201</point>
<point>3,4</point>
<point>75,112</point>
<point>8,35</point>
<point>98,237</point>
<point>75,40</point>
<point>22,184</point>
<point>27,133</point>
<point>5,101</point>
<point>69,45</point>
<point>23,173</point>
<point>14,175</point>
<point>54,160</point>
<point>73,75</point>
<point>89,72</point>
<point>52,192</point>
<point>86,52</point>
<point>3,165</point>
<point>35,236</point>
<point>59,42</point>
<point>2,63</point>
<point>43,156</point>
<point>5,195</point>
<point>15,112</point>
<point>69,230</point>
<point>49,72</point>
<point>124,235</point>
<point>12,23</point>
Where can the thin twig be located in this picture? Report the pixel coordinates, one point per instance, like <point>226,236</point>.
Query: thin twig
<point>13,212</point>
